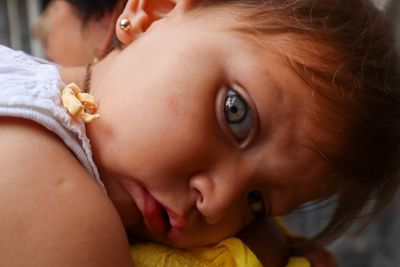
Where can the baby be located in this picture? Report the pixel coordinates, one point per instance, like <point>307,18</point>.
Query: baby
<point>219,113</point>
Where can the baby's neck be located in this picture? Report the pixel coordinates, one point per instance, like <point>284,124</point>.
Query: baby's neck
<point>73,74</point>
<point>100,68</point>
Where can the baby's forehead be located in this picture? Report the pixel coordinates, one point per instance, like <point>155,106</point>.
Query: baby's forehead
<point>308,100</point>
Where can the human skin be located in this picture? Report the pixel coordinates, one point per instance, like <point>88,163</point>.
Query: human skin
<point>53,213</point>
<point>170,112</point>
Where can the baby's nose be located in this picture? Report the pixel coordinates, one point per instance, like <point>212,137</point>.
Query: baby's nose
<point>182,204</point>
<point>216,194</point>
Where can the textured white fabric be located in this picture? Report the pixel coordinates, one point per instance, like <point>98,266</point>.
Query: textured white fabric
<point>30,89</point>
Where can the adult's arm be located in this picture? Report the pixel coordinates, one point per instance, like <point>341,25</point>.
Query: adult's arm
<point>52,213</point>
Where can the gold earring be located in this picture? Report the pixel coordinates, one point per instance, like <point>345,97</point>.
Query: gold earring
<point>125,24</point>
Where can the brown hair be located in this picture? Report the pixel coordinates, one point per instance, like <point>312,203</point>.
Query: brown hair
<point>90,9</point>
<point>345,51</point>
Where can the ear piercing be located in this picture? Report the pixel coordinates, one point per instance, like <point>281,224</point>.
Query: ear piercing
<point>125,24</point>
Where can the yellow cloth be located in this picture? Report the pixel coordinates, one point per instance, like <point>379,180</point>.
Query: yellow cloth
<point>298,262</point>
<point>229,252</point>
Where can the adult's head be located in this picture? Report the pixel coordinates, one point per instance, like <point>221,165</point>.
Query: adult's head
<point>73,32</point>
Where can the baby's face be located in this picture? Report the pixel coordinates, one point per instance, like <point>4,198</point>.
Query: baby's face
<point>194,117</point>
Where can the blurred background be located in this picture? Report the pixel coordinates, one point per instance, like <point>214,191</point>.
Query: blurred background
<point>379,246</point>
<point>16,20</point>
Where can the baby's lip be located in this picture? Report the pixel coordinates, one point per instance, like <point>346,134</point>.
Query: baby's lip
<point>177,221</point>
<point>180,225</point>
<point>159,219</point>
<point>162,220</point>
<point>154,214</point>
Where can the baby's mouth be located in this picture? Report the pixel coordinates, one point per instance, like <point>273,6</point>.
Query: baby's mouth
<point>165,216</point>
<point>155,215</point>
<point>161,220</point>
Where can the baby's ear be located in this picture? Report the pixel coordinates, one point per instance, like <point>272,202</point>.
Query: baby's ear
<point>138,15</point>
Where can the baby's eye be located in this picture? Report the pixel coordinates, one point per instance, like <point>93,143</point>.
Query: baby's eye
<point>237,116</point>
<point>256,203</point>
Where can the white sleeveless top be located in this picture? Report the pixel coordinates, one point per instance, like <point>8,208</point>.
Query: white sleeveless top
<point>30,88</point>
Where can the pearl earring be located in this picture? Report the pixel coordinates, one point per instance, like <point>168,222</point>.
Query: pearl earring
<point>125,24</point>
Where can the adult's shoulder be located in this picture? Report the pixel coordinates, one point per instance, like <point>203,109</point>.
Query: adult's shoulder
<point>53,213</point>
